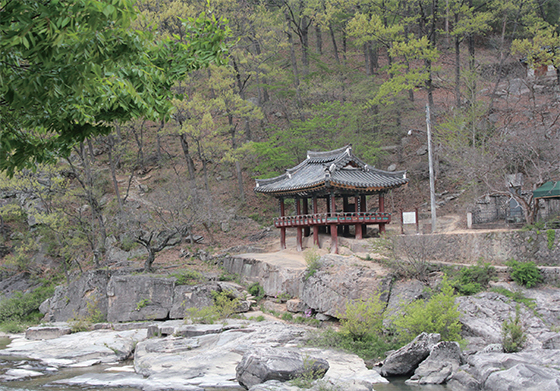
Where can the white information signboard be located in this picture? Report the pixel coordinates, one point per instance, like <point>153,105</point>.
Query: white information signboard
<point>409,217</point>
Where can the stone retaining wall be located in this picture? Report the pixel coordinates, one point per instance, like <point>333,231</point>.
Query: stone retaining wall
<point>541,247</point>
<point>494,247</point>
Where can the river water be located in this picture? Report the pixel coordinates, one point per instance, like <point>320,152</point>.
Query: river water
<point>43,383</point>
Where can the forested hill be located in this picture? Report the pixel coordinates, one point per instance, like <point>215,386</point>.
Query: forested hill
<point>300,75</point>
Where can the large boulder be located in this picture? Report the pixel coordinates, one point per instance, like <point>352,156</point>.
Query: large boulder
<point>283,364</point>
<point>80,298</point>
<point>528,370</point>
<point>444,359</point>
<point>402,292</point>
<point>483,315</point>
<point>524,377</point>
<point>139,297</point>
<point>342,279</point>
<point>191,296</point>
<point>405,360</point>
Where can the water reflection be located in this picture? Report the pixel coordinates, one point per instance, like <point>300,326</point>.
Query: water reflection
<point>397,384</point>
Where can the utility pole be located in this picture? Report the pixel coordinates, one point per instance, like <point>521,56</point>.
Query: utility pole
<point>431,166</point>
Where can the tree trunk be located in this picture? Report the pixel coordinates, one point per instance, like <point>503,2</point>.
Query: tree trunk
<point>158,141</point>
<point>188,158</point>
<point>240,180</point>
<point>319,39</point>
<point>294,65</point>
<point>304,37</point>
<point>258,51</point>
<point>150,259</point>
<point>97,214</point>
<point>457,68</point>
<point>139,137</point>
<point>344,46</point>
<point>335,47</point>
<point>111,144</point>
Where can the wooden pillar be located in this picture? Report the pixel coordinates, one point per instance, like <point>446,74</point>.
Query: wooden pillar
<point>315,227</point>
<point>282,229</point>
<point>299,230</point>
<point>382,209</point>
<point>328,228</point>
<point>345,208</point>
<point>306,230</point>
<point>358,227</point>
<point>334,230</point>
<point>363,208</point>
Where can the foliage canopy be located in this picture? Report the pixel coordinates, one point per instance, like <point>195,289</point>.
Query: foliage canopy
<point>68,69</point>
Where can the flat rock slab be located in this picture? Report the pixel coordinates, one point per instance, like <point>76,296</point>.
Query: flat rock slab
<point>46,332</point>
<point>19,374</point>
<point>100,346</point>
<point>192,364</point>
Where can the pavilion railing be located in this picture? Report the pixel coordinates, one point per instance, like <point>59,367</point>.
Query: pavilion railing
<point>338,218</point>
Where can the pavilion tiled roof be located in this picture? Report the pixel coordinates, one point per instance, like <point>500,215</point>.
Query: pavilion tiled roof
<point>338,169</point>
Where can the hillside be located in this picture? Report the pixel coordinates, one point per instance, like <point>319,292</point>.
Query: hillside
<point>299,77</point>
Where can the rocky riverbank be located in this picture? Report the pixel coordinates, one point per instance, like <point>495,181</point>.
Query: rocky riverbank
<point>262,356</point>
<point>239,354</point>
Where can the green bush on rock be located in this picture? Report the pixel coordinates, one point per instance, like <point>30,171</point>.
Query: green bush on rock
<point>513,333</point>
<point>363,318</point>
<point>473,279</point>
<point>438,314</point>
<point>524,273</point>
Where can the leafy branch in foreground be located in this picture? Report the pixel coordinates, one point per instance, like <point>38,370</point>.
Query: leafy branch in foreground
<point>66,78</point>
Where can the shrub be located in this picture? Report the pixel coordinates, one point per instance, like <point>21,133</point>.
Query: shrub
<point>205,315</point>
<point>513,333</point>
<point>524,273</point>
<point>438,314</point>
<point>473,279</point>
<point>306,378</point>
<point>225,305</point>
<point>24,307</point>
<point>13,327</point>
<point>516,296</point>
<point>188,277</point>
<point>313,260</point>
<point>287,317</point>
<point>93,315</point>
<point>550,238</point>
<point>363,317</point>
<point>256,290</point>
<point>371,347</point>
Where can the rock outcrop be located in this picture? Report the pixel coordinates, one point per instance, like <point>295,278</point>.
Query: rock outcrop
<point>405,360</point>
<point>444,359</point>
<point>529,370</point>
<point>262,364</point>
<point>121,297</point>
<point>484,314</point>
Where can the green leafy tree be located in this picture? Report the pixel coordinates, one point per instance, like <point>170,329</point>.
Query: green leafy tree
<point>542,49</point>
<point>438,314</point>
<point>69,69</point>
<point>363,317</point>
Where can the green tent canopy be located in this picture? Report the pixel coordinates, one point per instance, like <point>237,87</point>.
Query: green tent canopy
<point>548,190</point>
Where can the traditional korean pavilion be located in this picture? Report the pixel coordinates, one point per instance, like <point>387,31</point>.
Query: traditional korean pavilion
<point>333,176</point>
